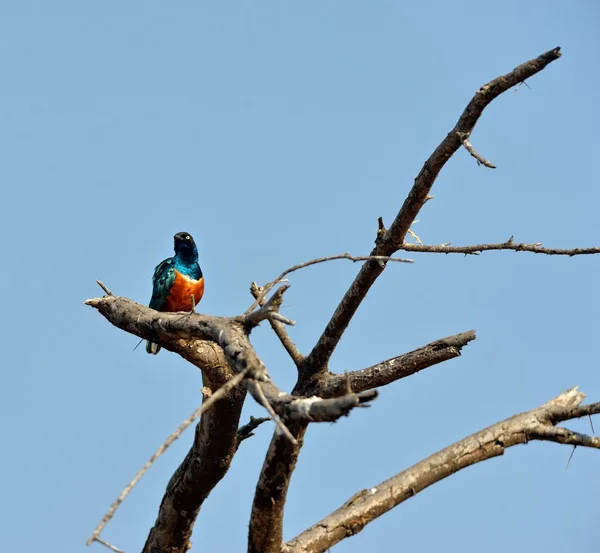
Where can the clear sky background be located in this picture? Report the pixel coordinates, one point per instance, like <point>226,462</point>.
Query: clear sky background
<point>276,132</point>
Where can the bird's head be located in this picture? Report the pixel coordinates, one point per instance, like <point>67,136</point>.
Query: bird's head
<point>185,245</point>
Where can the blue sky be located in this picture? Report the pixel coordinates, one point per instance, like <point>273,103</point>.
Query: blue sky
<point>276,132</point>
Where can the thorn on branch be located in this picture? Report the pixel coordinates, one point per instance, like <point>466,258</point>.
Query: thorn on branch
<point>520,84</point>
<point>571,456</point>
<point>464,137</point>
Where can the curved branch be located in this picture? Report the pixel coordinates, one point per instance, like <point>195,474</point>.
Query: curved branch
<point>392,369</point>
<point>391,240</point>
<point>264,290</point>
<point>366,506</point>
<point>508,245</point>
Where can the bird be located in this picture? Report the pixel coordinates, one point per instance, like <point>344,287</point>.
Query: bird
<point>178,282</point>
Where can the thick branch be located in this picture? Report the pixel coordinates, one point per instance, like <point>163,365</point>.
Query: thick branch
<point>508,245</point>
<point>266,521</point>
<point>215,443</point>
<point>364,507</point>
<point>393,369</point>
<point>390,241</point>
<point>231,335</point>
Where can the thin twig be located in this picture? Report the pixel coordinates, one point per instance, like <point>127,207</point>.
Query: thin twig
<point>279,328</point>
<point>269,310</point>
<point>469,147</point>
<point>207,404</point>
<point>106,290</point>
<point>412,233</point>
<point>508,245</point>
<point>280,425</point>
<point>110,546</point>
<point>267,287</point>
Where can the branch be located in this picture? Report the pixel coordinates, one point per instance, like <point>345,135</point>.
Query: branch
<point>366,506</point>
<point>391,240</point>
<point>508,245</point>
<point>392,369</point>
<point>231,335</point>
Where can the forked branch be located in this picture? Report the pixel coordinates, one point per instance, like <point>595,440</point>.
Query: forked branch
<point>366,506</point>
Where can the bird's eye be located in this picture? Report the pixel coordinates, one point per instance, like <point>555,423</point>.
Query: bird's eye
<point>187,236</point>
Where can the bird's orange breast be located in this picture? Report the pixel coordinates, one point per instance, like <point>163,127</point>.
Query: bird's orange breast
<point>180,295</point>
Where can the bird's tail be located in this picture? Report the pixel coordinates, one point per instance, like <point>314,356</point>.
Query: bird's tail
<point>152,348</point>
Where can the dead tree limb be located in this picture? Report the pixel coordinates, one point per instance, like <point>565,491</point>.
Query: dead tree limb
<point>209,459</point>
<point>392,240</point>
<point>366,506</point>
<point>231,334</point>
<point>393,369</point>
<point>314,365</point>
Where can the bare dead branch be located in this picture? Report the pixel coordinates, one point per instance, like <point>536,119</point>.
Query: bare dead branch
<point>231,335</point>
<point>510,244</point>
<point>278,328</point>
<point>366,506</point>
<point>392,369</point>
<point>378,258</point>
<point>469,147</point>
<point>394,237</point>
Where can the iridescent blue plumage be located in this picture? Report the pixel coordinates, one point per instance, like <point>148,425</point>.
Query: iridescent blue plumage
<point>176,280</point>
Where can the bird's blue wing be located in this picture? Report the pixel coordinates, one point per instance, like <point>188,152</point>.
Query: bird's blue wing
<point>163,279</point>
